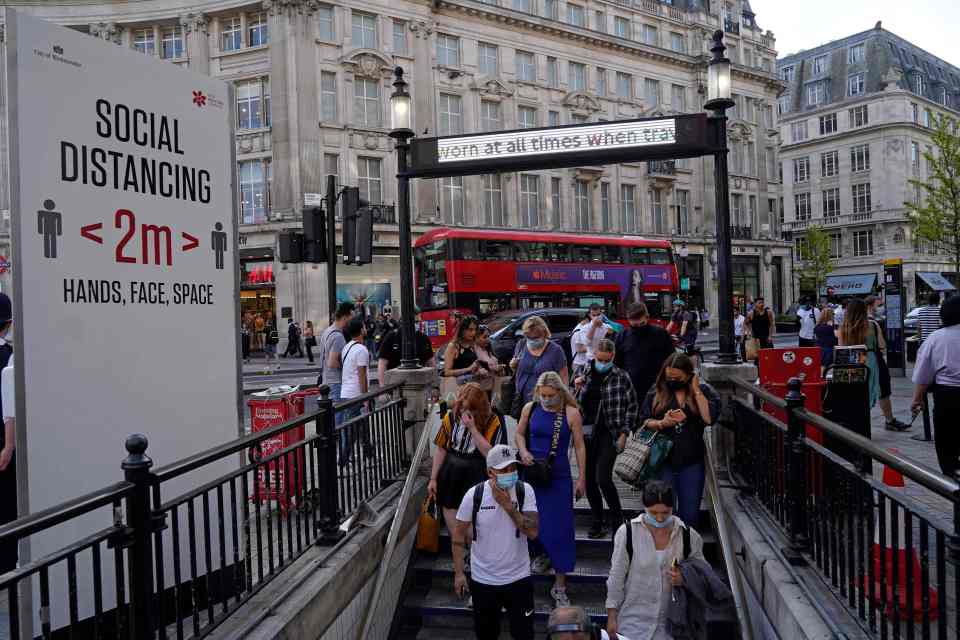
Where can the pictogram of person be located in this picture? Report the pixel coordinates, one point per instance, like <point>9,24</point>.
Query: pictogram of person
<point>218,238</point>
<point>49,225</point>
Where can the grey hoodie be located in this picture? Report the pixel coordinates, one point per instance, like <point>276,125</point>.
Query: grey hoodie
<point>702,590</point>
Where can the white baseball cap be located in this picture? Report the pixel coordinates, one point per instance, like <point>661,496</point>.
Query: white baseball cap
<point>501,456</point>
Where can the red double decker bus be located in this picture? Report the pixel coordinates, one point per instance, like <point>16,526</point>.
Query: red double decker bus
<point>480,272</point>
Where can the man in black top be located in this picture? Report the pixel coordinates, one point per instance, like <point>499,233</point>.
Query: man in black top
<point>642,349</point>
<point>760,324</point>
<point>391,349</point>
<point>384,327</point>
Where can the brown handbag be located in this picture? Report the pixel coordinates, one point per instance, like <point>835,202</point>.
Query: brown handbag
<point>428,528</point>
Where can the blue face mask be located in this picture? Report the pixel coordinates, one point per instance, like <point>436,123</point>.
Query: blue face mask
<point>653,522</point>
<point>602,367</point>
<point>507,480</point>
<point>536,343</point>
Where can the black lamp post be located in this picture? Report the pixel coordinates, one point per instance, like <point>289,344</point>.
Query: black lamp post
<point>401,129</point>
<point>718,101</point>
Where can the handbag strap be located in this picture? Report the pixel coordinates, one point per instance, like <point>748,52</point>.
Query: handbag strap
<point>557,423</point>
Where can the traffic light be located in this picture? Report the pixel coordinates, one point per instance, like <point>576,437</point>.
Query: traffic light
<point>357,225</point>
<point>364,236</point>
<point>290,246</point>
<point>314,235</point>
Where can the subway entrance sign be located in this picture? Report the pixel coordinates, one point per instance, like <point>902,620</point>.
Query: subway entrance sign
<point>641,139</point>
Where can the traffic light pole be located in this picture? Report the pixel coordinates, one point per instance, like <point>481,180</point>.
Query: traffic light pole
<point>331,246</point>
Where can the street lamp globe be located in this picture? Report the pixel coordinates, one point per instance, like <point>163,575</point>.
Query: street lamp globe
<point>401,116</point>
<point>719,91</point>
<point>684,251</point>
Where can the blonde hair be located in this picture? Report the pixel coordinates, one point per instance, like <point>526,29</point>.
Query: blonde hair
<point>553,380</point>
<point>827,316</point>
<point>536,322</point>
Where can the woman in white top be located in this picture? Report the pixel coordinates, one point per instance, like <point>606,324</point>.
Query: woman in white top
<point>638,590</point>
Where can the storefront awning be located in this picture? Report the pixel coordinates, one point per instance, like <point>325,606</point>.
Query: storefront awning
<point>936,281</point>
<point>855,284</point>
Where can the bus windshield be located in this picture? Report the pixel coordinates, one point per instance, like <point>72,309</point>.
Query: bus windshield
<point>431,265</point>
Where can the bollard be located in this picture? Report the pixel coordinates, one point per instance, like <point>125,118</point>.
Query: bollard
<point>796,489</point>
<point>136,470</point>
<point>926,436</point>
<point>328,485</point>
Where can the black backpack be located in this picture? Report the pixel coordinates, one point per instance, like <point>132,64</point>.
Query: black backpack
<point>684,532</point>
<point>478,499</point>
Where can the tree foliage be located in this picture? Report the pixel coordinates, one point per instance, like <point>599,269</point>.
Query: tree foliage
<point>815,263</point>
<point>936,217</point>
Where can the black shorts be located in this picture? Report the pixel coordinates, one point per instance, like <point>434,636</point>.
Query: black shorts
<point>458,473</point>
<point>885,390</point>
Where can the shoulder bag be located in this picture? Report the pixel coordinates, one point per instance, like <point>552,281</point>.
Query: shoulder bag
<point>540,473</point>
<point>643,456</point>
<point>428,528</point>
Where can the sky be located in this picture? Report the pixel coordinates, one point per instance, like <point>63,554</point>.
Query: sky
<point>805,24</point>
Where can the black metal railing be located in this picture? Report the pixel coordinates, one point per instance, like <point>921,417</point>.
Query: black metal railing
<point>187,544</point>
<point>741,232</point>
<point>890,555</point>
<point>662,167</point>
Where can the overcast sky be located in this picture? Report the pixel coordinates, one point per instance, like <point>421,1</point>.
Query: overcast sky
<point>805,24</point>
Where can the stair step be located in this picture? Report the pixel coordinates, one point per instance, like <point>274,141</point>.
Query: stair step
<point>587,569</point>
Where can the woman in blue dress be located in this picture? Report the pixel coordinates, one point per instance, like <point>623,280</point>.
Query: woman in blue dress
<point>554,406</point>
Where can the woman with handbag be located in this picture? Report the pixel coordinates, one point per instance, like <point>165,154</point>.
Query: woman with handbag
<point>546,427</point>
<point>534,356</point>
<point>490,368</point>
<point>680,407</point>
<point>309,340</point>
<point>467,432</point>
<point>460,357</point>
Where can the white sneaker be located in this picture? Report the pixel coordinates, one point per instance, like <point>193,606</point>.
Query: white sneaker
<point>559,596</point>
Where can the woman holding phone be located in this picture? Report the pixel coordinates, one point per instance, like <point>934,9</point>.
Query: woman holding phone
<point>681,406</point>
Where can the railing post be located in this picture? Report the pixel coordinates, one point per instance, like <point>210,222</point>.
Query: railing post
<point>796,477</point>
<point>136,470</point>
<point>327,443</point>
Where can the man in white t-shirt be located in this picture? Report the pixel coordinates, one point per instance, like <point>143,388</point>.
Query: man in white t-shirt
<point>586,338</point>
<point>809,317</point>
<point>506,517</point>
<point>355,361</point>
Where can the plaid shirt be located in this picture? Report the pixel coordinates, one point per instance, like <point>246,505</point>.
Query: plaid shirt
<point>618,400</point>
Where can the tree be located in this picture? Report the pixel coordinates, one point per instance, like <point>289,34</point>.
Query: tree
<point>815,262</point>
<point>936,215</point>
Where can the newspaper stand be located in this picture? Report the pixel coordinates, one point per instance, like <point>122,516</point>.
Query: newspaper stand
<point>276,481</point>
<point>847,400</point>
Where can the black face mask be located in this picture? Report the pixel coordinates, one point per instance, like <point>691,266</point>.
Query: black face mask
<point>676,385</point>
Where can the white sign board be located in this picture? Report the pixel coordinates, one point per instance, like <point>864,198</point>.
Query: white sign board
<point>514,144</point>
<point>126,308</point>
<point>313,200</point>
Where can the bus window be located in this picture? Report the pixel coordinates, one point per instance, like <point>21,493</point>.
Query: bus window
<point>612,254</point>
<point>432,274</point>
<point>660,256</point>
<point>538,252</point>
<point>464,249</point>
<point>562,322</point>
<point>559,253</point>
<point>585,253</point>
<point>639,255</point>
<point>499,250</point>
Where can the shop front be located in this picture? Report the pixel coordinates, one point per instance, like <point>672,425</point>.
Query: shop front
<point>929,281</point>
<point>691,281</point>
<point>746,280</point>
<point>258,304</point>
<point>850,285</point>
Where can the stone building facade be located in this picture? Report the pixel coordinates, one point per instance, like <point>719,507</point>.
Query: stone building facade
<point>313,83</point>
<point>855,120</point>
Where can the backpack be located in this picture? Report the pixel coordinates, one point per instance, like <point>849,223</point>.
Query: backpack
<point>684,532</point>
<point>478,500</point>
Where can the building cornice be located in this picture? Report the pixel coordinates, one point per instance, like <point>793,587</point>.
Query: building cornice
<point>834,139</point>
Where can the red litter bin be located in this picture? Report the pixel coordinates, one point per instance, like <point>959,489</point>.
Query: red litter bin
<point>274,480</point>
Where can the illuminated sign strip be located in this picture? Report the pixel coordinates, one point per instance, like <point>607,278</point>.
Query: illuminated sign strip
<point>535,142</point>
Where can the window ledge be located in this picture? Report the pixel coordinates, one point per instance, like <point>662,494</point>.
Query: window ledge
<point>235,52</point>
<point>239,131</point>
<point>325,41</point>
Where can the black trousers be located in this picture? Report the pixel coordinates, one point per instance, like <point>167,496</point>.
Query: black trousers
<point>8,513</point>
<point>516,598</point>
<point>946,436</point>
<point>807,342</point>
<point>601,454</point>
<point>293,347</point>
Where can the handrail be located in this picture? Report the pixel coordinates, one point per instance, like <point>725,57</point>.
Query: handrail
<point>414,470</point>
<point>736,581</point>
<point>760,392</point>
<point>60,513</point>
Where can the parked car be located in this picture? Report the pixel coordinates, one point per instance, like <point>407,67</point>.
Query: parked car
<point>506,328</point>
<point>911,321</point>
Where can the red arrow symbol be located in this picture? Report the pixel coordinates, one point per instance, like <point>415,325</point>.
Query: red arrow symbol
<point>87,232</point>
<point>193,242</point>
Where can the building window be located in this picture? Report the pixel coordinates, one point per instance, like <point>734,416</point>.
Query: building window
<point>628,208</point>
<point>772,211</point>
<point>331,167</point>
<point>325,16</point>
<point>802,203</point>
<point>678,98</point>
<point>144,42</point>
<point>621,27</point>
<point>450,109</point>
<point>801,248</point>
<point>578,76</point>
<point>770,160</point>
<point>605,218</point>
<point>650,35</point>
<point>828,124</point>
<point>551,9</point>
<point>489,59</point>
<point>750,153</point>
<point>915,154</point>
<point>366,103</point>
<point>490,118</point>
<point>448,50</point>
<point>526,67</point>
<point>231,36</point>
<point>600,21</point>
<point>860,157</point>
<point>400,38</point>
<point>523,5</point>
<point>601,82</point>
<point>526,117</point>
<point>855,84</point>
<point>768,116</point>
<point>581,205</point>
<point>556,201</point>
<point>855,54</point>
<point>927,118</point>
<point>916,112</point>
<point>816,93</point>
<point>651,92</point>
<point>783,104</point>
<point>529,201</point>
<point>576,118</point>
<point>683,212</point>
<point>801,169</point>
<point>736,209</point>
<point>576,15</point>
<point>492,200</point>
<point>364,30</point>
<point>819,65</point>
<point>328,96</point>
<point>786,74</point>
<point>798,131</point>
<point>624,86</point>
<point>258,33</point>
<point>859,117</point>
<point>677,42</point>
<point>253,104</point>
<point>918,84</point>
<point>752,210</point>
<point>863,243</point>
<point>171,43</point>
<point>369,179</point>
<point>861,198</point>
<point>656,203</point>
<point>451,200</point>
<point>254,191</point>
<point>829,164</point>
<point>553,118</point>
<point>836,246</point>
<point>553,72</point>
<point>831,202</point>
